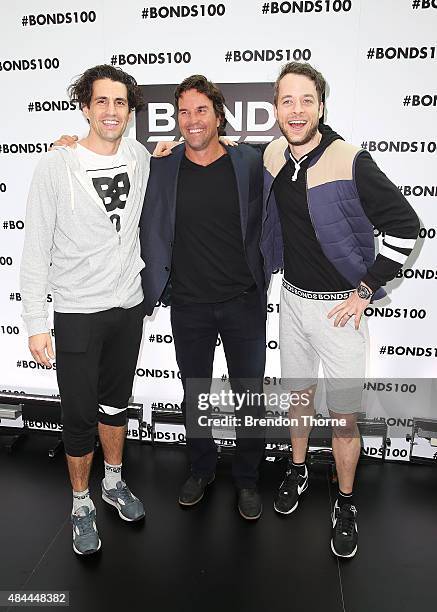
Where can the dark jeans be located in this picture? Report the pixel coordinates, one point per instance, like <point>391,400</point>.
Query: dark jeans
<point>241,323</point>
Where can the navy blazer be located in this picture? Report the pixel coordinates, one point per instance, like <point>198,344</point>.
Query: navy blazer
<point>157,225</point>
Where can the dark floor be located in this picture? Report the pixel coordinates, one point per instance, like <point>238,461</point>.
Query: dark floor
<point>209,558</point>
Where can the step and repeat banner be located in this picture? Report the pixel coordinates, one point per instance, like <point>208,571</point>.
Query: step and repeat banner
<point>379,59</point>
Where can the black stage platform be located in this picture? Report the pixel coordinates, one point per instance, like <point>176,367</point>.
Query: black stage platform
<point>210,559</point>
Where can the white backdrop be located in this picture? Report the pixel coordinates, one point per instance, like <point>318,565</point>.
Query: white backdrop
<point>380,61</point>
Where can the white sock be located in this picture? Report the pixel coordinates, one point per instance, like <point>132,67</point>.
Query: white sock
<point>82,498</point>
<point>112,475</point>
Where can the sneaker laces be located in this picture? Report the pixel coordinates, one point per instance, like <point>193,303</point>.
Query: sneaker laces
<point>84,523</point>
<point>290,481</point>
<point>124,493</point>
<point>346,520</point>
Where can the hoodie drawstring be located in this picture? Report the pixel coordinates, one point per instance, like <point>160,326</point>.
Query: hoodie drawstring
<point>297,166</point>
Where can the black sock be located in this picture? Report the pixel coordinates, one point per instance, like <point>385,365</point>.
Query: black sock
<point>299,467</point>
<point>345,498</point>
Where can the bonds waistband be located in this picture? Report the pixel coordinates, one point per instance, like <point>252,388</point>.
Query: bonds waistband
<point>317,295</point>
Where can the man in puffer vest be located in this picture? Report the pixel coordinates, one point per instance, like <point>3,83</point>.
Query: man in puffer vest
<point>322,198</point>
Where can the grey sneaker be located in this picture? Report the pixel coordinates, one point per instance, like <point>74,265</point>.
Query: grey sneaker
<point>129,507</point>
<point>86,539</point>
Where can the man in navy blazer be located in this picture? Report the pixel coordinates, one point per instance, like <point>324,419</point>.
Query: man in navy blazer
<point>200,231</point>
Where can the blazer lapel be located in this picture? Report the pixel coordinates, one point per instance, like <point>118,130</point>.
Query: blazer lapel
<point>171,177</point>
<point>241,169</point>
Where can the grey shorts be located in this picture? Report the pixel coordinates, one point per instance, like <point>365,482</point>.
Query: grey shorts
<point>307,338</point>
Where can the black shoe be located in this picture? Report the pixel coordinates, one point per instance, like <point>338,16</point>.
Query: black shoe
<point>249,503</point>
<point>193,489</point>
<point>344,541</point>
<point>293,485</point>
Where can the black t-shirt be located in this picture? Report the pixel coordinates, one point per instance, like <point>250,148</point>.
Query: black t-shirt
<point>209,263</point>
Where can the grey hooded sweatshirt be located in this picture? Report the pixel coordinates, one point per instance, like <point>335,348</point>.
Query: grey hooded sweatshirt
<point>71,248</point>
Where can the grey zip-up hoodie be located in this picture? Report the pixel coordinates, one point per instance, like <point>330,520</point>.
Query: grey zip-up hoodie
<point>72,248</point>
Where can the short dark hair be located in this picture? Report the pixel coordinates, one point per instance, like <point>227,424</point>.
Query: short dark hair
<point>211,91</point>
<point>81,90</point>
<point>305,70</point>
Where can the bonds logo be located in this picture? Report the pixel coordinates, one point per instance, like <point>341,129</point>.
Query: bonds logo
<point>249,111</point>
<point>113,193</point>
